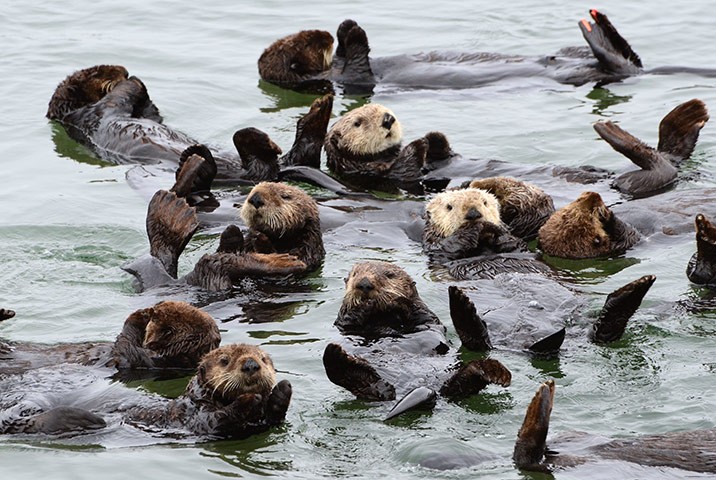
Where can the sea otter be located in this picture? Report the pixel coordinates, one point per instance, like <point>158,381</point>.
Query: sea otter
<point>300,61</point>
<point>466,223</point>
<point>234,394</point>
<point>284,238</point>
<point>110,112</point>
<point>365,143</point>
<point>692,451</point>
<point>168,335</point>
<point>586,228</point>
<point>393,343</point>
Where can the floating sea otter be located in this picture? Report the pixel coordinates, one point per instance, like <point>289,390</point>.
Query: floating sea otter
<point>169,335</point>
<point>284,238</point>
<point>394,344</point>
<point>234,394</point>
<point>693,451</point>
<point>110,112</point>
<point>304,62</point>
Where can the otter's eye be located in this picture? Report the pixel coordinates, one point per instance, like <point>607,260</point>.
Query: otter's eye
<point>449,207</point>
<point>286,196</point>
<point>390,275</point>
<point>224,361</point>
<point>357,123</point>
<point>484,202</point>
<point>345,279</point>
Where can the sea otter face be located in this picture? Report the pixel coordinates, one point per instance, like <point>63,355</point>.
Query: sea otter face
<point>179,329</point>
<point>367,130</point>
<point>578,230</point>
<point>450,210</point>
<point>232,370</point>
<point>380,283</point>
<point>83,88</point>
<point>297,57</point>
<point>276,209</point>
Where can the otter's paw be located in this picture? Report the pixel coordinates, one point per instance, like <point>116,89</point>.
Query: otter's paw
<point>281,263</point>
<point>475,376</point>
<point>355,375</point>
<point>278,402</point>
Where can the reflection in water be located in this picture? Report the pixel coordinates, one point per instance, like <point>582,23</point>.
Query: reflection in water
<point>548,367</point>
<point>246,455</point>
<point>603,99</point>
<point>589,270</point>
<point>69,148</point>
<point>284,98</point>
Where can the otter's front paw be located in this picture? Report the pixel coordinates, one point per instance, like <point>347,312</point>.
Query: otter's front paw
<point>355,375</point>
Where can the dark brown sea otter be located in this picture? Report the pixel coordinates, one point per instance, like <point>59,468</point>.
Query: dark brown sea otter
<point>300,61</point>
<point>234,394</point>
<point>693,451</point>
<point>586,228</point>
<point>395,344</point>
<point>169,335</point>
<point>284,238</point>
<point>111,112</point>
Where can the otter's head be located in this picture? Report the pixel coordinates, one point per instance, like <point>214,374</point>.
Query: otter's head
<point>450,210</point>
<point>83,88</point>
<point>275,209</point>
<point>232,370</point>
<point>379,284</point>
<point>367,130</point>
<point>295,58</point>
<point>178,329</point>
<point>585,228</point>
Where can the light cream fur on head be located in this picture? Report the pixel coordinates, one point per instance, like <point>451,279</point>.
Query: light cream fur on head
<point>361,131</point>
<point>223,371</point>
<point>448,210</point>
<point>389,285</point>
<point>284,208</point>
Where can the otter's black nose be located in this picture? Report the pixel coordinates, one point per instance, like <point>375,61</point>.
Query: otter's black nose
<point>256,200</point>
<point>365,285</point>
<point>388,121</point>
<point>473,214</point>
<point>250,366</point>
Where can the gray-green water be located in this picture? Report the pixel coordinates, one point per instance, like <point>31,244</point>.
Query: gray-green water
<point>68,222</point>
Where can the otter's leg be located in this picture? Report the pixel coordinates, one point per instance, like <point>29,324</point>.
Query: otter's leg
<point>194,177</point>
<point>532,437</point>
<point>618,309</point>
<point>355,375</point>
<point>56,421</point>
<point>474,377</point>
<point>613,52</point>
<point>679,129</point>
<point>356,76</point>
<point>171,223</point>
<point>471,329</point>
<point>701,269</point>
<point>310,134</point>
<point>231,241</point>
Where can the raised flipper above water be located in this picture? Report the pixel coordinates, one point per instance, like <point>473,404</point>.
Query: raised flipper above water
<point>6,314</point>
<point>310,134</point>
<point>473,377</point>
<point>613,52</point>
<point>550,344</point>
<point>194,177</point>
<point>619,308</point>
<point>56,421</point>
<point>355,375</point>
<point>701,269</point>
<point>532,438</point>
<point>422,398</point>
<point>258,153</point>
<point>678,133</point>
<point>471,329</point>
<point>171,223</point>
<point>355,73</point>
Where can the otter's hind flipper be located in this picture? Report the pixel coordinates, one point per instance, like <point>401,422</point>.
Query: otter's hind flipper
<point>656,171</point>
<point>259,154</point>
<point>310,134</point>
<point>471,329</point>
<point>356,74</point>
<point>701,269</point>
<point>679,129</point>
<point>194,177</point>
<point>613,52</point>
<point>532,438</point>
<point>475,376</point>
<point>231,240</point>
<point>618,309</point>
<point>6,314</point>
<point>422,398</point>
<point>56,421</point>
<point>550,344</point>
<point>278,402</point>
<point>355,375</point>
<point>171,223</point>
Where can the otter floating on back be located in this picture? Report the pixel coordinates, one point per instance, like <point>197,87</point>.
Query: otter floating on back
<point>303,62</point>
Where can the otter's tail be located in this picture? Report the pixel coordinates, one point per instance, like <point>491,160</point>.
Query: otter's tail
<point>532,438</point>
<point>171,223</point>
<point>613,52</point>
<point>310,134</point>
<point>355,74</point>
<point>701,269</point>
<point>618,309</point>
<point>194,177</point>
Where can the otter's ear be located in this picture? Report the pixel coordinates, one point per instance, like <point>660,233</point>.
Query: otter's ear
<point>201,373</point>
